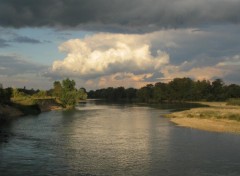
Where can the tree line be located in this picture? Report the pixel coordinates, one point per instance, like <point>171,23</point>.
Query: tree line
<point>64,92</point>
<point>179,89</point>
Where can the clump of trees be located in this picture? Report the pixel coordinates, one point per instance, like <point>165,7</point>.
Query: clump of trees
<point>67,94</point>
<point>179,89</point>
<point>114,94</point>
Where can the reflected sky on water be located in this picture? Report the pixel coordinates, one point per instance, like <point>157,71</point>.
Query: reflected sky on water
<point>115,139</point>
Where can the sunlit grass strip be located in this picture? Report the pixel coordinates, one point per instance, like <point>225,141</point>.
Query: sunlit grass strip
<point>234,101</point>
<point>217,117</point>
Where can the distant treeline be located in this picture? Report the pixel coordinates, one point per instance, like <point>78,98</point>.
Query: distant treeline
<point>179,89</point>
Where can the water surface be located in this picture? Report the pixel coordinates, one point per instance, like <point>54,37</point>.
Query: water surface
<point>115,139</point>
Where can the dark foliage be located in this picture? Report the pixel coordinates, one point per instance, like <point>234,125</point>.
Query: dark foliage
<point>5,95</point>
<point>179,89</point>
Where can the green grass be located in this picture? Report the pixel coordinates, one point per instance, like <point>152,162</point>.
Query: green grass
<point>26,100</point>
<point>26,104</point>
<point>234,101</point>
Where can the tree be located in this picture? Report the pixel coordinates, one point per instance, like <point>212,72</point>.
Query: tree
<point>145,94</point>
<point>119,93</point>
<point>202,90</point>
<point>67,94</point>
<point>82,95</point>
<point>217,90</point>
<point>68,99</point>
<point>131,93</point>
<point>233,91</point>
<point>181,89</point>
<point>68,85</point>
<point>57,89</point>
<point>160,92</point>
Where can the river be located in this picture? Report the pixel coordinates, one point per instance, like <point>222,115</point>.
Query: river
<point>114,139</point>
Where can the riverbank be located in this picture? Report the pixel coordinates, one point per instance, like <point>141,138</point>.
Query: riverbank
<point>218,117</point>
<point>17,109</point>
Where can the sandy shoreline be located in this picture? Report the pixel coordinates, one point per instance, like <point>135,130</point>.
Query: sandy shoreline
<point>218,117</point>
<point>214,125</point>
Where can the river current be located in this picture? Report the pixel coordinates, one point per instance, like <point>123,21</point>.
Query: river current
<point>114,139</point>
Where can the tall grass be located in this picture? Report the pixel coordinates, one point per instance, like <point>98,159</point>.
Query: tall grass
<point>234,101</point>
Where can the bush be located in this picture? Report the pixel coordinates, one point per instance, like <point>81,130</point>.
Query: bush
<point>68,99</point>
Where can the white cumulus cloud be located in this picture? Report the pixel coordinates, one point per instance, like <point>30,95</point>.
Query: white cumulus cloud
<point>106,54</point>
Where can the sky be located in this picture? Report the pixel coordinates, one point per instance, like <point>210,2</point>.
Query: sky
<point>112,43</point>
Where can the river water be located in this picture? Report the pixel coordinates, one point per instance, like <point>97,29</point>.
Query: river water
<point>114,139</point>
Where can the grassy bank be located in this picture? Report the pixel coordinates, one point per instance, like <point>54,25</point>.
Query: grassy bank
<point>218,117</point>
<point>23,106</point>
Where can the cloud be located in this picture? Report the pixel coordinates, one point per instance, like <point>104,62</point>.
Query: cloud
<point>17,72</point>
<point>227,69</point>
<point>204,45</point>
<point>3,43</point>
<point>118,15</point>
<point>24,39</point>
<point>135,60</point>
<point>107,54</point>
<point>11,65</point>
<point>127,80</point>
<point>9,36</point>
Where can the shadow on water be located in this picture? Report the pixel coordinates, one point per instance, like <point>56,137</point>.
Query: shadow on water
<point>5,131</point>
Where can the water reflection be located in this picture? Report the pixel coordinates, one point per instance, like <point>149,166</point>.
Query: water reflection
<point>115,139</point>
<point>110,140</point>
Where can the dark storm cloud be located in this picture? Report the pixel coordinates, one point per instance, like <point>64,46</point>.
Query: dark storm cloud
<point>118,15</point>
<point>202,47</point>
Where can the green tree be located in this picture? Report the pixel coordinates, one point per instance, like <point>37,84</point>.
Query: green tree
<point>69,99</point>
<point>217,90</point>
<point>57,89</point>
<point>119,93</point>
<point>145,94</point>
<point>181,89</point>
<point>160,92</point>
<point>67,94</point>
<point>68,85</point>
<point>233,91</point>
<point>202,90</point>
<point>82,94</point>
<point>131,93</point>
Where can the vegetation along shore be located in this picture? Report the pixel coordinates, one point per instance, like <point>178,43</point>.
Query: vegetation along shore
<point>218,117</point>
<point>20,102</point>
